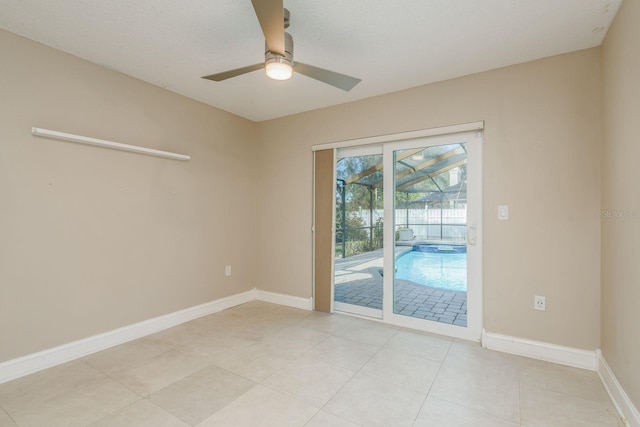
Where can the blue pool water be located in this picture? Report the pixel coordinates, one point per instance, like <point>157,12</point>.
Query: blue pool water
<point>437,266</point>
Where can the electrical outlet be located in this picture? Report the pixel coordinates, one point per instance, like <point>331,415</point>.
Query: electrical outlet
<point>540,303</point>
<point>227,270</point>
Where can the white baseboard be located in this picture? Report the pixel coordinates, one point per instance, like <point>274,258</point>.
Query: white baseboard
<point>30,363</point>
<point>540,350</point>
<point>282,299</point>
<point>624,405</point>
<point>591,360</point>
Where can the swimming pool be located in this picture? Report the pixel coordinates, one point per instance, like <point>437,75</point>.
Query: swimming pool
<point>437,266</point>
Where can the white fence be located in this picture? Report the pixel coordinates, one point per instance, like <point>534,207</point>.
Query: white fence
<point>448,224</point>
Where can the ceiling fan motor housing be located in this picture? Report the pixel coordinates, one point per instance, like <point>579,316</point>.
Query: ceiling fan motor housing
<point>270,57</point>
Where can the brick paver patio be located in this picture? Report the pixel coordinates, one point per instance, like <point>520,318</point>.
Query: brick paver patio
<point>359,281</point>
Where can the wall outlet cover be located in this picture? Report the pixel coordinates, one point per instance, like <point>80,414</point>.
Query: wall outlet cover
<point>540,303</point>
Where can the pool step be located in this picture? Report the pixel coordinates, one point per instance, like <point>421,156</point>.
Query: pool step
<point>440,248</point>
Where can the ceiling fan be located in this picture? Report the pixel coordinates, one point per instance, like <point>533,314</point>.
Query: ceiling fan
<point>278,56</point>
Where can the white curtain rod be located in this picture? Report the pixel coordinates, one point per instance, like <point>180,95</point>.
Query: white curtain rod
<point>107,144</point>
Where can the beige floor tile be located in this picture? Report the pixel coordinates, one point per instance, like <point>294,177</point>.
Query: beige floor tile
<point>124,355</point>
<point>291,315</point>
<point>261,312</point>
<point>266,310</point>
<point>543,408</point>
<point>213,346</point>
<point>471,356</point>
<point>5,419</point>
<point>481,363</point>
<point>248,309</point>
<point>472,377</point>
<point>217,348</point>
<point>425,346</point>
<point>367,332</point>
<point>373,402</point>
<point>402,369</point>
<point>297,329</point>
<point>225,318</point>
<point>255,362</point>
<point>358,372</point>
<point>140,414</point>
<point>158,372</point>
<point>58,379</point>
<point>311,380</point>
<point>325,419</point>
<point>278,313</point>
<point>257,329</point>
<point>262,406</point>
<point>440,413</point>
<point>87,402</point>
<point>563,379</point>
<point>181,334</point>
<point>221,324</point>
<point>198,396</point>
<point>324,322</point>
<point>291,342</point>
<point>343,352</point>
<point>294,340</point>
<point>252,308</point>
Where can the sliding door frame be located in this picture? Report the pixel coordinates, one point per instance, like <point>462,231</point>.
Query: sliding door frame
<point>474,327</point>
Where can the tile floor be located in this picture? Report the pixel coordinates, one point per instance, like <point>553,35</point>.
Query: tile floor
<point>261,364</point>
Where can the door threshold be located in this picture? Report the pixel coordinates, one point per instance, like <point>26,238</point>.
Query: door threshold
<point>357,310</point>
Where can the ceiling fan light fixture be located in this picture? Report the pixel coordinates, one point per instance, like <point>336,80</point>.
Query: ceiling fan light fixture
<point>278,68</point>
<point>278,51</point>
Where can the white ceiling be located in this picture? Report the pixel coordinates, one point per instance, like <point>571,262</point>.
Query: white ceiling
<point>390,45</point>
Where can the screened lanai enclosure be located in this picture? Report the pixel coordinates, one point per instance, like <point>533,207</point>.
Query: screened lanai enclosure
<point>430,223</point>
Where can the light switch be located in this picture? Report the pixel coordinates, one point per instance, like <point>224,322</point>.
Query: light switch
<point>503,212</point>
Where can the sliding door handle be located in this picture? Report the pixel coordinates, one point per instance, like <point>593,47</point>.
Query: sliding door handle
<point>472,235</point>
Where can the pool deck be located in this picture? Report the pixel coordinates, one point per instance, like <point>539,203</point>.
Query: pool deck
<point>358,281</point>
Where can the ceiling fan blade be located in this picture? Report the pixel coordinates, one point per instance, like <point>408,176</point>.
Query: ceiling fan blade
<point>270,13</point>
<point>341,81</point>
<point>232,73</point>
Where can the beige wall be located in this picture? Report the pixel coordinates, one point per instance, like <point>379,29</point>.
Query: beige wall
<point>621,197</point>
<point>94,239</point>
<point>541,157</point>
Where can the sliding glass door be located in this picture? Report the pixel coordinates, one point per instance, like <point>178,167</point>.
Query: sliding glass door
<point>406,233</point>
<point>432,206</point>
<point>359,231</point>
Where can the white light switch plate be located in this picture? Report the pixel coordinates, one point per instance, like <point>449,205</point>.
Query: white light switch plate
<point>503,212</point>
